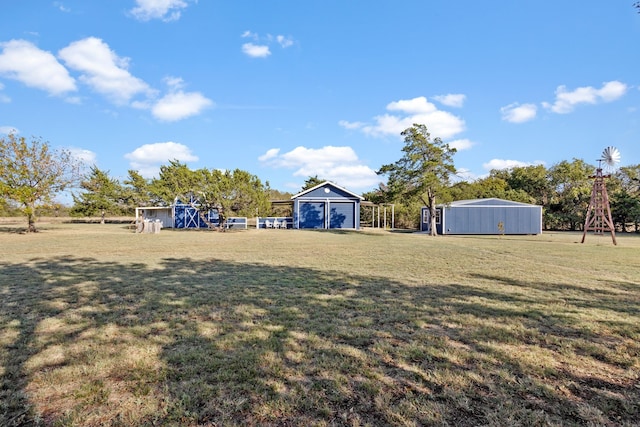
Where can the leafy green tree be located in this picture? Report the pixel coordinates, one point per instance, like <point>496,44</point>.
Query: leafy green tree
<point>250,196</point>
<point>311,182</point>
<point>625,199</point>
<point>532,180</point>
<point>101,195</point>
<point>629,177</point>
<point>378,196</point>
<point>495,185</point>
<point>625,209</point>
<point>9,208</point>
<point>571,191</point>
<point>174,180</point>
<point>31,174</point>
<point>280,201</point>
<point>231,193</point>
<point>137,191</point>
<point>424,170</point>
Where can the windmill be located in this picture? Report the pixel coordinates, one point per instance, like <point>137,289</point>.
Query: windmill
<point>598,217</point>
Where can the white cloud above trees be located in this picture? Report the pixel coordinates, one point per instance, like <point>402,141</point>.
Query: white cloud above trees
<point>499,164</point>
<point>519,113</point>
<point>148,158</point>
<point>566,101</point>
<point>87,157</point>
<point>405,113</point>
<point>451,99</point>
<point>23,61</point>
<point>338,164</point>
<point>101,70</point>
<point>461,144</point>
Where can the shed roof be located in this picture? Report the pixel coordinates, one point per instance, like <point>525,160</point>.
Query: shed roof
<point>489,202</point>
<point>295,196</point>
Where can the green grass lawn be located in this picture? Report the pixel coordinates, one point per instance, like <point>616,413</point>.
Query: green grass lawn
<point>101,326</point>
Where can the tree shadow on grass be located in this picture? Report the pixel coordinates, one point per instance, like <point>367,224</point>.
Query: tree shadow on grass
<point>211,342</point>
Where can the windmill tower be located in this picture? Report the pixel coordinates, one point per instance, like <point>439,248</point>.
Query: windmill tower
<point>598,217</point>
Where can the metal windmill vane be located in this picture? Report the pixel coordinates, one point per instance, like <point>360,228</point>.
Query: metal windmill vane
<point>610,157</point>
<point>598,218</point>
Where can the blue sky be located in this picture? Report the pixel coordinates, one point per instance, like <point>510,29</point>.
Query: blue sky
<point>290,89</point>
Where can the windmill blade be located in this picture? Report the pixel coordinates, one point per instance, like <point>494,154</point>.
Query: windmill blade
<point>611,156</point>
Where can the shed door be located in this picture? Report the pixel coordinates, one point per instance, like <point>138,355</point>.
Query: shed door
<point>342,215</point>
<point>312,214</point>
<point>192,219</point>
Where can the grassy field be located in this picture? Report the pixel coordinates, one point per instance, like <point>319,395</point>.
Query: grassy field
<point>101,326</point>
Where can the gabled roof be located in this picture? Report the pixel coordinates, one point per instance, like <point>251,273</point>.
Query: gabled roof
<point>489,202</point>
<point>325,184</point>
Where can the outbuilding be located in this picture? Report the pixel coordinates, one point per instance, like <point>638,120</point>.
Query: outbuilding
<point>485,216</point>
<point>185,215</point>
<point>326,206</point>
<point>163,214</point>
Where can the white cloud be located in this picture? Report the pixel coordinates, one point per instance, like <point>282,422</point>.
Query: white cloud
<point>261,45</point>
<point>180,105</point>
<point>499,164</point>
<point>174,83</point>
<point>85,156</point>
<point>285,42</point>
<point>103,70</point>
<point>6,130</point>
<point>407,113</point>
<point>23,61</point>
<point>461,144</point>
<point>451,99</point>
<point>350,125</point>
<point>338,164</point>
<point>418,105</point>
<point>256,51</point>
<point>4,98</point>
<point>61,7</point>
<point>465,174</point>
<point>165,10</point>
<point>147,158</point>
<point>567,101</point>
<point>516,113</point>
<point>270,154</point>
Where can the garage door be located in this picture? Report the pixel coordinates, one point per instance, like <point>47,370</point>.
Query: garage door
<point>312,214</point>
<point>342,215</point>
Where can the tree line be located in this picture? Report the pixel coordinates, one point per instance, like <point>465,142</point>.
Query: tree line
<point>230,192</point>
<point>31,174</point>
<point>426,175</point>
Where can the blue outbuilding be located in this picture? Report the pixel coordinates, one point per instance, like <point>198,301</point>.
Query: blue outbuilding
<point>326,206</point>
<point>485,216</point>
<point>186,216</point>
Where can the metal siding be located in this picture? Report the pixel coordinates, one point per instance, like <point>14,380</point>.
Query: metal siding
<point>342,215</point>
<point>485,220</point>
<point>311,214</point>
<point>483,216</point>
